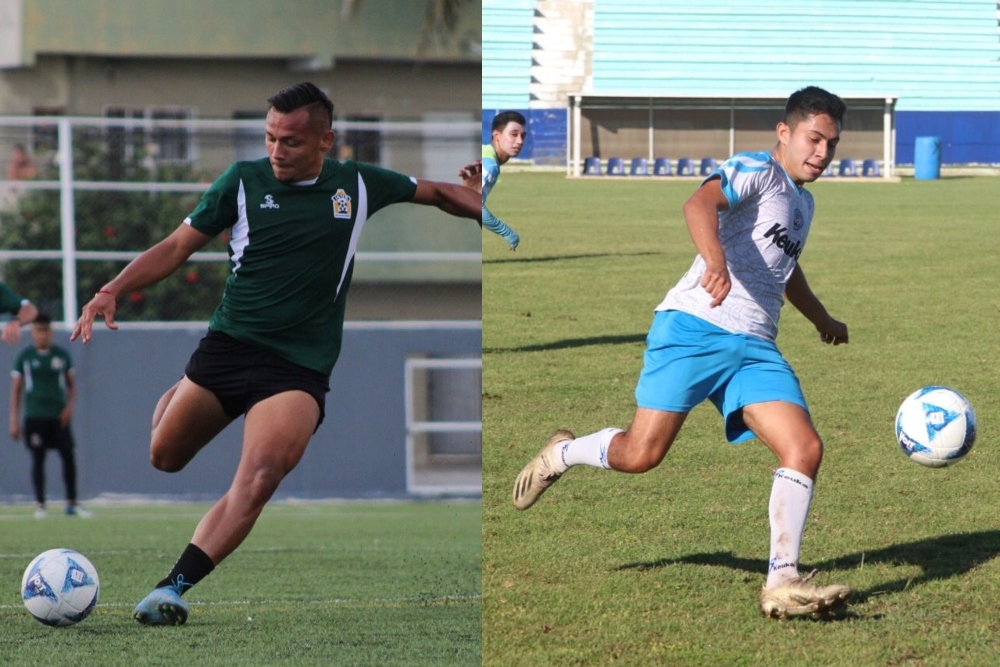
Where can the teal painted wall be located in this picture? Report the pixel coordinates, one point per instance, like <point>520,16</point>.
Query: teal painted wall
<point>941,55</point>
<point>507,39</point>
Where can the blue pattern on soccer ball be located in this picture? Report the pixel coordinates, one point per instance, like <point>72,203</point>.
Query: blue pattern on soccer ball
<point>76,576</point>
<point>937,419</point>
<point>37,586</point>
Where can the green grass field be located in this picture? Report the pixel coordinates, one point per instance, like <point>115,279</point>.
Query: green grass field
<point>314,584</point>
<point>664,568</point>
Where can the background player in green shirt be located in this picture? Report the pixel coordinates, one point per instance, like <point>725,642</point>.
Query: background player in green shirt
<point>296,218</point>
<point>43,376</point>
<point>23,311</point>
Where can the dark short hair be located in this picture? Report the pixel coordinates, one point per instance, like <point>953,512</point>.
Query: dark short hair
<point>501,120</point>
<point>813,100</point>
<point>42,318</point>
<point>300,95</point>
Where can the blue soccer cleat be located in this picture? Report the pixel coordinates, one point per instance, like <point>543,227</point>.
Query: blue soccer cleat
<point>163,606</point>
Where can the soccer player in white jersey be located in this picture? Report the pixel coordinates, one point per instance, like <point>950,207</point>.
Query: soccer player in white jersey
<point>713,337</point>
<point>508,139</point>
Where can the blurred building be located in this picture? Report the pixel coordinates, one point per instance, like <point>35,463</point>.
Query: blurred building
<point>379,60</point>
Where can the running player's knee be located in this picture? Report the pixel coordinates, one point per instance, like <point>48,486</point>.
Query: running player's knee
<point>635,455</point>
<point>163,458</point>
<point>261,485</point>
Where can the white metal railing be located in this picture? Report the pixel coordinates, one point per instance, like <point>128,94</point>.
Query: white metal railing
<point>67,185</point>
<point>442,483</point>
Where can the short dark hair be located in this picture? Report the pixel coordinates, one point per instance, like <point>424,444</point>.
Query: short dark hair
<point>501,120</point>
<point>813,100</point>
<point>305,94</point>
<point>42,318</point>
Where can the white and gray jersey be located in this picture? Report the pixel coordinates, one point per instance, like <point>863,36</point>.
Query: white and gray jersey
<point>762,233</point>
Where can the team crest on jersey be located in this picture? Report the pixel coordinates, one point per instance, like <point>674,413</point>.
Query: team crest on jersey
<point>797,220</point>
<point>341,205</point>
<point>269,202</point>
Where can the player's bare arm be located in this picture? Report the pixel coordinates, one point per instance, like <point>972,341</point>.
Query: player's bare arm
<point>11,332</point>
<point>16,386</point>
<point>701,213</point>
<point>800,295</point>
<point>150,267</point>
<point>456,200</point>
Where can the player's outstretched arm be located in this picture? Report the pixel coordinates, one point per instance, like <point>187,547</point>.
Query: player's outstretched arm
<point>800,295</point>
<point>148,268</point>
<point>498,226</point>
<point>456,200</point>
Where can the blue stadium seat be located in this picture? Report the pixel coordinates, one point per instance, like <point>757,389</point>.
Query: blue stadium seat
<point>847,167</point>
<point>870,168</point>
<point>685,167</point>
<point>639,167</point>
<point>661,166</point>
<point>592,166</point>
<point>829,170</point>
<point>616,166</point>
<point>708,165</point>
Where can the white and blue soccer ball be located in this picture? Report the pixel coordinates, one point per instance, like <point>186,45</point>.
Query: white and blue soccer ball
<point>936,426</point>
<point>60,587</point>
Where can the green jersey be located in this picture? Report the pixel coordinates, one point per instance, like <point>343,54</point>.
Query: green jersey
<point>291,252</point>
<point>45,380</point>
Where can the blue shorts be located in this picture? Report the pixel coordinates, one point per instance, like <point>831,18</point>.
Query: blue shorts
<point>688,360</point>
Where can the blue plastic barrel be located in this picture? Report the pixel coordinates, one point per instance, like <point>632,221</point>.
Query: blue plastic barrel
<point>927,158</point>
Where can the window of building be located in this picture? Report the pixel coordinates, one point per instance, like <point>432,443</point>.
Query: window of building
<point>144,141</point>
<point>359,145</point>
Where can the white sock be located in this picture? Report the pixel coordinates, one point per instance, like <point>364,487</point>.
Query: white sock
<point>590,450</point>
<point>791,494</point>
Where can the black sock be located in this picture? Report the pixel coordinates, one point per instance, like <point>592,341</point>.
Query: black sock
<point>193,566</point>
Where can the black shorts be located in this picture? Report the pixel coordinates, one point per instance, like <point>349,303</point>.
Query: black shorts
<point>241,375</point>
<point>46,433</point>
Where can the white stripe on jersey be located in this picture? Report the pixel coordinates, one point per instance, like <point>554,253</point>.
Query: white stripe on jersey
<point>240,238</point>
<point>359,223</point>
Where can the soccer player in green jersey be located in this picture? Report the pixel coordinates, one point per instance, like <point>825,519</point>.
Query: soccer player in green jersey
<point>296,217</point>
<point>43,377</point>
<point>23,311</point>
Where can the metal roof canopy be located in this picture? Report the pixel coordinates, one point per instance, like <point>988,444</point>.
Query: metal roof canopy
<point>579,101</point>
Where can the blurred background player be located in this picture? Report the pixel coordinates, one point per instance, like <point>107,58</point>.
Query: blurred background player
<point>23,311</point>
<point>713,337</point>
<point>272,343</point>
<point>508,139</point>
<point>43,376</point>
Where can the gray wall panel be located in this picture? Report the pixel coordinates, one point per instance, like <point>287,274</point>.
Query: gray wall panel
<point>358,451</point>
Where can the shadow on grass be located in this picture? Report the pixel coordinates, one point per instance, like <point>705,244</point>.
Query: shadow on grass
<point>571,343</point>
<point>562,258</point>
<point>939,557</point>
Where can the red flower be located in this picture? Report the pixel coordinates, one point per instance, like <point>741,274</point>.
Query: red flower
<point>136,297</point>
<point>110,232</point>
<point>191,276</point>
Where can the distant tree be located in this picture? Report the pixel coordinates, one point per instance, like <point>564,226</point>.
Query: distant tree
<point>123,221</point>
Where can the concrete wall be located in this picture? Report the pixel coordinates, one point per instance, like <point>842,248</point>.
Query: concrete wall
<point>358,451</point>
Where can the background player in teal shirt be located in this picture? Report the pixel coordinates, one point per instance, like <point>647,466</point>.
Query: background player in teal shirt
<point>508,139</point>
<point>296,218</point>
<point>43,376</point>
